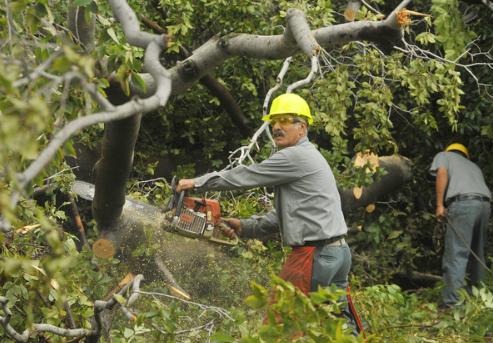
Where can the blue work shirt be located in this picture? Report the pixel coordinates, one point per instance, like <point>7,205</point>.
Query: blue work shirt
<point>307,202</point>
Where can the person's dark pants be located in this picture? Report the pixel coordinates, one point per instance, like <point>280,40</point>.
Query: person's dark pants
<point>467,224</point>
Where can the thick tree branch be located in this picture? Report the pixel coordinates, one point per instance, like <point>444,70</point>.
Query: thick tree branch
<point>228,102</point>
<point>217,89</point>
<point>130,24</point>
<point>115,164</point>
<point>300,30</point>
<point>385,33</point>
<point>398,171</point>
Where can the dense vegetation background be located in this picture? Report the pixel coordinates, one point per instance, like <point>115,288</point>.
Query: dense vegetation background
<point>435,88</point>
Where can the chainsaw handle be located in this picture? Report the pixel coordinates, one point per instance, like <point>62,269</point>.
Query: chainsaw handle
<point>223,227</point>
<point>176,201</point>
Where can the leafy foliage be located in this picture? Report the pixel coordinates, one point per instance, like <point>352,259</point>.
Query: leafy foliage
<point>366,100</point>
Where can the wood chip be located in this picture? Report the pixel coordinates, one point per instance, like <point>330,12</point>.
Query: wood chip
<point>367,157</point>
<point>123,282</point>
<point>176,292</point>
<point>357,192</point>
<point>370,208</point>
<point>25,229</point>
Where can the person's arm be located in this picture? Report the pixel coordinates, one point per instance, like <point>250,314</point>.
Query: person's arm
<point>276,170</point>
<point>253,227</point>
<point>440,187</point>
<point>258,226</point>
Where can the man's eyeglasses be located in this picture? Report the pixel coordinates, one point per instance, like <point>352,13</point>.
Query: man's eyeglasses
<point>284,120</point>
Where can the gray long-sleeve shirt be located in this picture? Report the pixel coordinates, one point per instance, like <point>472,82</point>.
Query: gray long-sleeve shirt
<point>307,202</point>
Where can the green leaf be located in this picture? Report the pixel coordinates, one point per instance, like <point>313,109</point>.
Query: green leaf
<point>112,34</point>
<point>139,82</point>
<point>128,333</point>
<point>394,234</point>
<point>120,299</point>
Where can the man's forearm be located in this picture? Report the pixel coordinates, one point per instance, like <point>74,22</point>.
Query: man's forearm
<point>258,226</point>
<point>441,185</point>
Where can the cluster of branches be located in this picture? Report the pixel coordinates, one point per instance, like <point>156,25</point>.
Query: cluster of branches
<point>99,307</point>
<point>162,83</point>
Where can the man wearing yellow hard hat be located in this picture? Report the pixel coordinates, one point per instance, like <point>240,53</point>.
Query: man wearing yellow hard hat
<point>307,209</point>
<point>463,201</point>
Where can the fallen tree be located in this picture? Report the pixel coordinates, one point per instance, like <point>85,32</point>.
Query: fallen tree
<point>123,118</point>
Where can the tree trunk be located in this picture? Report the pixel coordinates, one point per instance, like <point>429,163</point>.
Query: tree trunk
<point>114,166</point>
<point>82,25</point>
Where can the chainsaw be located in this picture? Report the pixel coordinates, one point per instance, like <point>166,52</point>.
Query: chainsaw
<point>198,218</point>
<point>186,216</point>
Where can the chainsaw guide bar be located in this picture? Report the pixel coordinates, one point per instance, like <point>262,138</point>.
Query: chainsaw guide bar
<point>191,217</point>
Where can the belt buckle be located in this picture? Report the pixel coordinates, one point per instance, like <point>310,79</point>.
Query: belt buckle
<point>336,243</point>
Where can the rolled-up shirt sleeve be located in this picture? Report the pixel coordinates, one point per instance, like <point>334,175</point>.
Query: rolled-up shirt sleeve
<point>258,226</point>
<point>439,161</point>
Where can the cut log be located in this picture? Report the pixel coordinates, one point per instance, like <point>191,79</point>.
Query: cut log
<point>398,172</point>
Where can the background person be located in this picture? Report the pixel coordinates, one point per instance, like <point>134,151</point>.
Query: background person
<point>463,200</point>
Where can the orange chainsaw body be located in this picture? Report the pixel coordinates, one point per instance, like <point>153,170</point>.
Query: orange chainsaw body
<point>210,207</point>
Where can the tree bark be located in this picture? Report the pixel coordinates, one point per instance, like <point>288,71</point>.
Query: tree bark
<point>82,25</point>
<point>218,90</point>
<point>114,166</point>
<point>398,172</point>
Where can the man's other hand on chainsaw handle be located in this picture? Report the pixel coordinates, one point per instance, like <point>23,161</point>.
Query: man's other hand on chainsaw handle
<point>234,225</point>
<point>185,184</point>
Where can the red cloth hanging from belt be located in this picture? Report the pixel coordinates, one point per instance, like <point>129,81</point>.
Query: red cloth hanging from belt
<point>298,268</point>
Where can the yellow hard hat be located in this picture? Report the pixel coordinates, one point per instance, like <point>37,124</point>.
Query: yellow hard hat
<point>458,147</point>
<point>290,103</point>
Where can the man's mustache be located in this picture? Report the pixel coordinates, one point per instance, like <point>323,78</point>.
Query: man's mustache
<point>277,133</point>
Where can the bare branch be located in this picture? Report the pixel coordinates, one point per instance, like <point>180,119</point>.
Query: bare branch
<point>215,51</point>
<point>38,71</point>
<point>417,52</point>
<point>299,28</point>
<point>279,80</point>
<point>7,327</point>
<point>10,23</point>
<point>244,151</point>
<point>370,7</point>
<point>99,307</point>
<point>130,25</point>
<point>222,312</point>
<point>313,71</point>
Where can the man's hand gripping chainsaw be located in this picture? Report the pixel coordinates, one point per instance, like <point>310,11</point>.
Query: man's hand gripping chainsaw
<point>198,218</point>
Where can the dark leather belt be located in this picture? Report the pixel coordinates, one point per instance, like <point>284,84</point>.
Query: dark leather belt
<point>461,197</point>
<point>324,242</point>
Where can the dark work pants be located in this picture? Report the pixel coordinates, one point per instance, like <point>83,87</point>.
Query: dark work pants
<point>467,224</point>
